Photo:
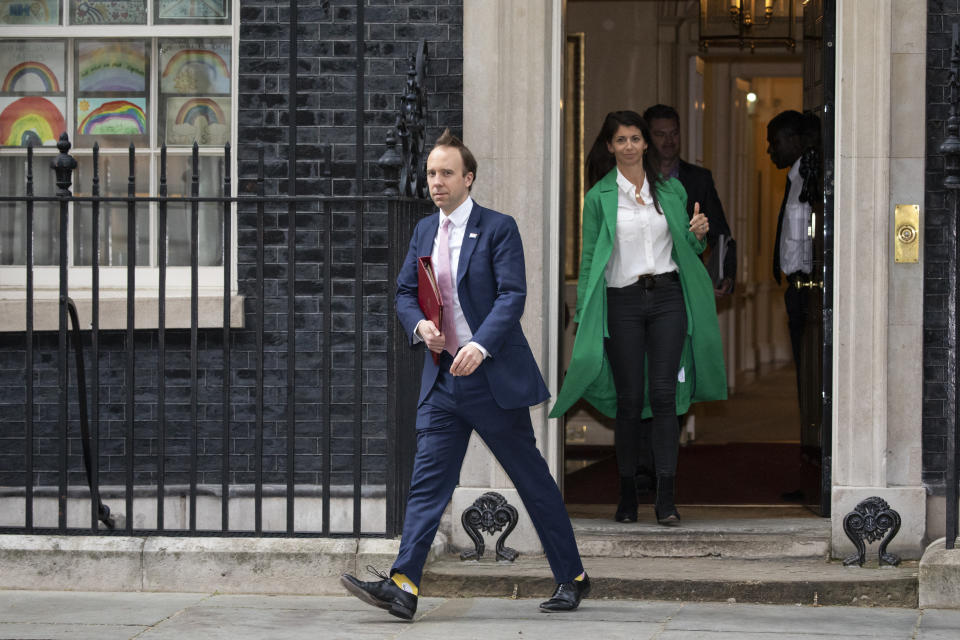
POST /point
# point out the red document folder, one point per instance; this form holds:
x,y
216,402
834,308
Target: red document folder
x,y
428,295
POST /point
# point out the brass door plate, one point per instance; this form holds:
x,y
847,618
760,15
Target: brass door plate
x,y
906,233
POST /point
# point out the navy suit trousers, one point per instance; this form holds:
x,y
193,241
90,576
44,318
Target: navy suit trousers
x,y
454,407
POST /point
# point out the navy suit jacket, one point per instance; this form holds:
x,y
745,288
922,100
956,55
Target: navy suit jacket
x,y
492,287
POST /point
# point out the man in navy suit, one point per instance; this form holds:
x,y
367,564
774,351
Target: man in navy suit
x,y
486,379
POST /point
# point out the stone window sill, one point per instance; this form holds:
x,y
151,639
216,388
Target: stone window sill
x,y
113,313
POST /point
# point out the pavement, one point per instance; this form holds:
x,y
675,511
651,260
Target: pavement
x,y
56,615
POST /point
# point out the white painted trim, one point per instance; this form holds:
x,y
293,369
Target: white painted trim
x,y
98,32
46,279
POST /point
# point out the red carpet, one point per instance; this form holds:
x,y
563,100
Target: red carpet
x,y
738,473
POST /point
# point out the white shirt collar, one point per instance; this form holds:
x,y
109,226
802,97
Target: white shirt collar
x,y
628,188
461,214
794,173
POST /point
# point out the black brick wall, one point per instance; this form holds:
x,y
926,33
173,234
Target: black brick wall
x,y
939,350
326,115
327,88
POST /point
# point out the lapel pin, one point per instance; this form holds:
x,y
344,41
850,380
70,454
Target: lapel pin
x,y
473,235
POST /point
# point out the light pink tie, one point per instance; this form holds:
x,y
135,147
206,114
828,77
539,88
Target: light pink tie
x,y
445,282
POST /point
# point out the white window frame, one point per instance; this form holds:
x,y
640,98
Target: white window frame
x,y
113,279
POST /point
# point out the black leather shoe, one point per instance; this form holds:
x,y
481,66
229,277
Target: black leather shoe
x,y
383,593
567,596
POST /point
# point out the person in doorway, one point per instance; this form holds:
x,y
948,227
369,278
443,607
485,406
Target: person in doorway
x,y
701,191
486,379
645,308
787,135
698,182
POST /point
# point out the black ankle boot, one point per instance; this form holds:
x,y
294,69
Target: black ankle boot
x,y
665,508
627,509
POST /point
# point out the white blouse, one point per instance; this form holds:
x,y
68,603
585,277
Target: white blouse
x,y
642,244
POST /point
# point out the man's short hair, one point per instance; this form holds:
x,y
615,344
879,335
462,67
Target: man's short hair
x,y
661,111
790,122
447,139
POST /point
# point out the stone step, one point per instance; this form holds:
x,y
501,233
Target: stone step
x,y
747,538
802,581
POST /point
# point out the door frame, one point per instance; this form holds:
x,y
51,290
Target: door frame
x,y
828,131
554,228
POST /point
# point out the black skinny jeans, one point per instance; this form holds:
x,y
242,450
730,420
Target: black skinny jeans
x,y
652,323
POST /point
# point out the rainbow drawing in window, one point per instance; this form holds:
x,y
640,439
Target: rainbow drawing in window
x,y
111,66
111,117
31,76
30,120
192,70
204,120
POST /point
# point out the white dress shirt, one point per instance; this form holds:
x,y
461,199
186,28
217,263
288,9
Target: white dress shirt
x,y
642,244
796,245
455,233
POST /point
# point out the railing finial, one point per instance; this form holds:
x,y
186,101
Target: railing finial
x,y
63,166
410,129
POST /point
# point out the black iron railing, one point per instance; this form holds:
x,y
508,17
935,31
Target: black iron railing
x,y
341,258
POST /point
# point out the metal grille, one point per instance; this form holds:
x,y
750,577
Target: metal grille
x,y
348,269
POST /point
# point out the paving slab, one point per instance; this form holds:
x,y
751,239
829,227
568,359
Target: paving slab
x,y
20,631
161,616
296,619
83,608
939,624
836,622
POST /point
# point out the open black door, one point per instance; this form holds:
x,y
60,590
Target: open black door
x,y
815,373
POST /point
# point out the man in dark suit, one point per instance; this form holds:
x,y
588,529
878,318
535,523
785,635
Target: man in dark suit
x,y
486,379
664,124
788,133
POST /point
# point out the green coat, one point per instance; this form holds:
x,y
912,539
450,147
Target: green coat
x,y
702,375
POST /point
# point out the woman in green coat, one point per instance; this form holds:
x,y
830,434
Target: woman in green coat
x,y
648,342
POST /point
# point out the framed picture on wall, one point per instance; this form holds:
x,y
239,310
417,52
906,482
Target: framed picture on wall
x,y
573,157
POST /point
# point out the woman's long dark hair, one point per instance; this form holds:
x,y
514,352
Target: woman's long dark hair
x,y
600,161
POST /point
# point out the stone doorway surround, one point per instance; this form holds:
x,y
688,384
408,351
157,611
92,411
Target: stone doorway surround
x,y
513,59
878,323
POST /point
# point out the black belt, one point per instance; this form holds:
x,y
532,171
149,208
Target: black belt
x,y
651,281
797,277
